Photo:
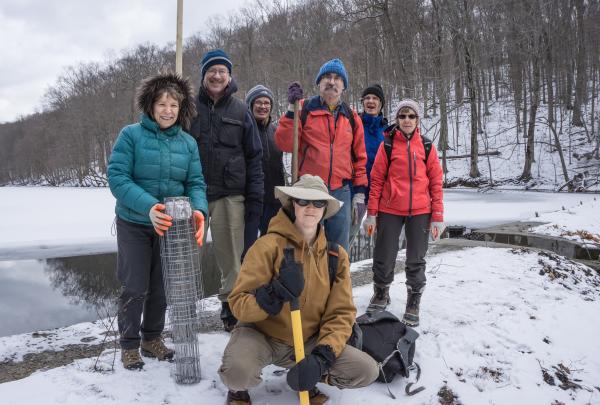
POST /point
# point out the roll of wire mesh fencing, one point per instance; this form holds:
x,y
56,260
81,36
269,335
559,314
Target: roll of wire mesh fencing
x,y
183,288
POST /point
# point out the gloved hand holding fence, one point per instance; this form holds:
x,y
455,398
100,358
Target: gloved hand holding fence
x,y
370,224
308,371
286,287
199,219
295,92
437,229
358,207
160,221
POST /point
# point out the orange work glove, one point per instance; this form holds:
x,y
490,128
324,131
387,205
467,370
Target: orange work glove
x,y
160,221
199,218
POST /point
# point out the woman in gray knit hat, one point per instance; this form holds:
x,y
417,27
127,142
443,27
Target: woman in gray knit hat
x,y
260,101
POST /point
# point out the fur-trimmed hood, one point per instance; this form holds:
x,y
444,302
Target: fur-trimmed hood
x,y
152,87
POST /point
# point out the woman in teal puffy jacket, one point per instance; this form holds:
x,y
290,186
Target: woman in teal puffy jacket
x,y
151,160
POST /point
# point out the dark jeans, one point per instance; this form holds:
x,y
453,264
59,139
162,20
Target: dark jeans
x,y
386,248
140,272
337,228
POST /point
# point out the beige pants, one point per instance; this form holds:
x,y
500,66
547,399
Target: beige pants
x,y
249,351
226,221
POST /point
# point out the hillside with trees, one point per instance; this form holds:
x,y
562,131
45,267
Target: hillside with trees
x,y
536,60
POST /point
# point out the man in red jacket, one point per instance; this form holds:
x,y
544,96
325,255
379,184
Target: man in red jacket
x,y
406,190
331,145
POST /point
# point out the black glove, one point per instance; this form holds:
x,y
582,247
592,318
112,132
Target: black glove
x,y
290,283
308,372
295,92
288,286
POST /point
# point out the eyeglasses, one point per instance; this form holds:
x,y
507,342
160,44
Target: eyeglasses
x,y
214,72
263,103
405,116
315,203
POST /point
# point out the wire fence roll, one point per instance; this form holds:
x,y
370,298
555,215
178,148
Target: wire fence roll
x,y
183,288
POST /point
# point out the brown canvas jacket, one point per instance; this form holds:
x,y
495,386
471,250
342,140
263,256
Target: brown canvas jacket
x,y
327,313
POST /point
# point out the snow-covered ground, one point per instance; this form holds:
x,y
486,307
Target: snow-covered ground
x,y
499,326
44,222
580,222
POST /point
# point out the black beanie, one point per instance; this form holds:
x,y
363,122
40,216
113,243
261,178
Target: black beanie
x,y
376,90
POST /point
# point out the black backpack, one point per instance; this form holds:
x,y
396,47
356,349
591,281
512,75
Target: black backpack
x,y
388,144
382,336
304,116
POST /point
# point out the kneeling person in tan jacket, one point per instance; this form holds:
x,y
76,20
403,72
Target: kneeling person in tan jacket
x,y
269,279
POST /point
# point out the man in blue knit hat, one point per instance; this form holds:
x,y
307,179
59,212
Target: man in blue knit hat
x,y
331,145
231,155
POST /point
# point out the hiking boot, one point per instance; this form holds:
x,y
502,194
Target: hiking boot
x,y
131,359
316,397
156,348
238,398
380,299
227,317
413,299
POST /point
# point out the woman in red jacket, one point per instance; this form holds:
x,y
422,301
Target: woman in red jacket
x,y
406,190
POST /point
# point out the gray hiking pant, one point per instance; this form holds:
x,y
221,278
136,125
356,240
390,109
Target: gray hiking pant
x,y
249,351
139,271
226,220
417,230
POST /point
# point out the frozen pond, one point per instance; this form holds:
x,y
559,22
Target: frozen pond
x,y
59,269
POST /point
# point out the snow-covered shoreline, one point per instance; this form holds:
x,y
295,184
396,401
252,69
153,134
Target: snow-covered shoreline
x,y
499,325
495,322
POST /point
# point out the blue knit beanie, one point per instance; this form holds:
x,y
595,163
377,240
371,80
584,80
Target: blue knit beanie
x,y
333,66
258,91
214,57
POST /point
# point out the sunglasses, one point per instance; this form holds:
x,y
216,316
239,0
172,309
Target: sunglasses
x,y
315,203
405,116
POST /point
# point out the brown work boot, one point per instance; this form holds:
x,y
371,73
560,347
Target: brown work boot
x,y
413,301
316,397
380,299
156,348
238,398
131,359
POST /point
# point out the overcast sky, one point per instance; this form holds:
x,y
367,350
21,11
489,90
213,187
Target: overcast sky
x,y
41,37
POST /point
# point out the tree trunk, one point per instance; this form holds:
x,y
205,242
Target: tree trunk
x,y
580,60
535,99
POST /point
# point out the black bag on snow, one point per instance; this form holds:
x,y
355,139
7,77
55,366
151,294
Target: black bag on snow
x,y
382,336
390,342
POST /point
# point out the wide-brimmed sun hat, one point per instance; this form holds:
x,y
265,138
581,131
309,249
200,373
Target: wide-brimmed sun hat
x,y
310,188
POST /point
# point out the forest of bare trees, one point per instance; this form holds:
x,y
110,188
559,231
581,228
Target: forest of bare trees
x,y
445,53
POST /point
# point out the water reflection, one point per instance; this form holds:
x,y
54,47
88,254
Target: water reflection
x,y
85,280
51,293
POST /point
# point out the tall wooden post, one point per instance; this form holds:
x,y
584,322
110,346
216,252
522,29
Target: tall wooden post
x,y
179,39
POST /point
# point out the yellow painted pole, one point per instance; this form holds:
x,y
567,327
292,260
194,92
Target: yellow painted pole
x,y
179,39
298,341
295,145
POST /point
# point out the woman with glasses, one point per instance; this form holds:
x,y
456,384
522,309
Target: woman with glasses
x,y
291,262
260,100
406,191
